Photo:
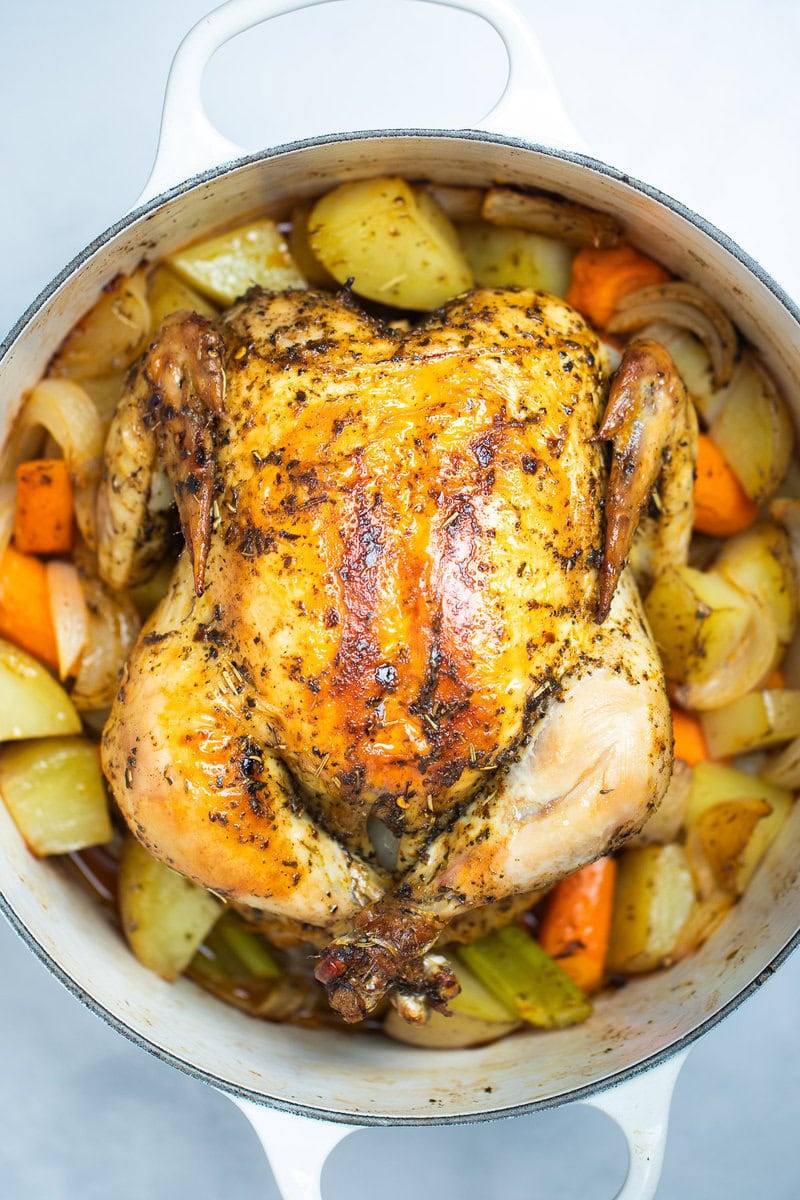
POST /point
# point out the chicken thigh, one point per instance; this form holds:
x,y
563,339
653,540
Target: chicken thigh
x,y
401,671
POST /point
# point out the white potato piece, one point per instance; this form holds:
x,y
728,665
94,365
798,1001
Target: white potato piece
x,y
222,268
753,429
717,845
713,783
654,898
754,721
759,561
393,241
300,249
501,257
109,337
32,704
167,293
716,641
165,917
55,792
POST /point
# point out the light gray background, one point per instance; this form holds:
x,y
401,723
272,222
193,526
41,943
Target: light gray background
x,y
702,100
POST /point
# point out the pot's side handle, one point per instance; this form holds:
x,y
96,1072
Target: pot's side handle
x,y
530,106
641,1109
297,1147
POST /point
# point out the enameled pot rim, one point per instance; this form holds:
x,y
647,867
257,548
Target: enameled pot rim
x,y
587,163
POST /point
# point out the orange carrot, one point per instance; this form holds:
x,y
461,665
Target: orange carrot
x,y
600,278
721,506
690,741
43,513
576,924
25,616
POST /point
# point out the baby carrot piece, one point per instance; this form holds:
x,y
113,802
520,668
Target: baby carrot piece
x,y
600,278
25,616
577,922
43,513
721,506
690,741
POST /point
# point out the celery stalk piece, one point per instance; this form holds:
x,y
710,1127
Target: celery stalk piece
x,y
251,951
517,971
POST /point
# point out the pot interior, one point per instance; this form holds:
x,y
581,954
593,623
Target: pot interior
x,y
366,1077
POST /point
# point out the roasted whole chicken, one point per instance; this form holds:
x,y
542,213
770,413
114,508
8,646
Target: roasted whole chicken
x,y
402,672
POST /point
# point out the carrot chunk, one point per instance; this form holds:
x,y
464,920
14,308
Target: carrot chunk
x,y
600,278
577,922
44,509
721,507
690,741
25,616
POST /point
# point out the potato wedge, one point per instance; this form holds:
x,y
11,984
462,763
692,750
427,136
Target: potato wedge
x,y
760,562
654,898
222,268
109,337
165,917
512,257
753,428
392,240
54,789
300,249
754,721
717,842
167,293
32,704
716,641
713,783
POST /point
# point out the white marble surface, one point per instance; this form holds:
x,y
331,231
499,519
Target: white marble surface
x,y
701,100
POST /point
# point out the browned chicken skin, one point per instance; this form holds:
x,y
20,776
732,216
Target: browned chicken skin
x,y
396,644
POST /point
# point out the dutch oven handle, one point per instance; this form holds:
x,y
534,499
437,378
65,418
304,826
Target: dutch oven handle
x,y
530,106
298,1147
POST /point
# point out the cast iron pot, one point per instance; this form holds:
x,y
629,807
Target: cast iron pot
x,y
305,1089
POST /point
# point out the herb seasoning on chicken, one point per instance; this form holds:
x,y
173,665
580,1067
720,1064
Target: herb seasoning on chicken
x,y
403,621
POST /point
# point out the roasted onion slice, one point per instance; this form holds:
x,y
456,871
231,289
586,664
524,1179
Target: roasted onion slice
x,y
687,307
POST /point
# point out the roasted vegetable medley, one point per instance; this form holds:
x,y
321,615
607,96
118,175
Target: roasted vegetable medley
x,y
720,597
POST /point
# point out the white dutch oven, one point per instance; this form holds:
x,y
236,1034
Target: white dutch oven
x,y
305,1089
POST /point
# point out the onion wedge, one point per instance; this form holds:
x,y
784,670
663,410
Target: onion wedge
x,y
549,215
70,615
687,307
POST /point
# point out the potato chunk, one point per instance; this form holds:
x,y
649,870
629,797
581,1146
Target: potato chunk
x,y
713,783
165,917
222,268
32,704
392,240
654,897
760,562
754,721
109,337
715,640
502,257
54,790
753,429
